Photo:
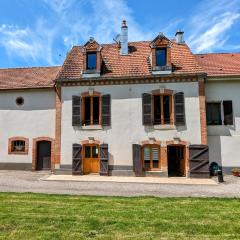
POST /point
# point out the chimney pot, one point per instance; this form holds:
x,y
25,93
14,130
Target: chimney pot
x,y
179,36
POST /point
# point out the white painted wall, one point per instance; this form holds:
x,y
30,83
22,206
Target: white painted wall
x,y
224,141
36,118
127,127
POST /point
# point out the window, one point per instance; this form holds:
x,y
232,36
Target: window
x,y
219,113
162,109
214,114
91,151
91,61
19,101
161,57
151,157
17,145
91,106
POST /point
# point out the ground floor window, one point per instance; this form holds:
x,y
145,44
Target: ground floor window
x,y
18,145
151,157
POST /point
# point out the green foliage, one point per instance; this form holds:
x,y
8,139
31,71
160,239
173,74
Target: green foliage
x,y
39,216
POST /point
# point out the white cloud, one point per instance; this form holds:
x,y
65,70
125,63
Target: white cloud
x,y
27,44
59,5
211,23
102,20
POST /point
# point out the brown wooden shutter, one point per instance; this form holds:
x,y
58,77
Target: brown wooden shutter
x,y
228,112
179,109
77,159
104,158
147,109
199,161
106,110
137,160
76,111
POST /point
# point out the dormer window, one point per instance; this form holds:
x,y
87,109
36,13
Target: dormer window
x,y
91,61
161,57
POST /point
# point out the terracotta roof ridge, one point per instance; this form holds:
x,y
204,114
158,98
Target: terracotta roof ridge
x,y
17,68
225,53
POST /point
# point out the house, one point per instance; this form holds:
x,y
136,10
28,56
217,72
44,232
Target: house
x,y
147,108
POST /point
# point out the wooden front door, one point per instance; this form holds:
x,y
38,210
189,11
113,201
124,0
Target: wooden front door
x,y
91,161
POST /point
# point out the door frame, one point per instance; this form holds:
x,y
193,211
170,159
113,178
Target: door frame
x,y
34,151
83,155
185,150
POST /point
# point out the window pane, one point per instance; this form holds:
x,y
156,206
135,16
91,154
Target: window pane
x,y
214,114
161,57
87,151
18,146
155,157
147,157
95,151
91,61
87,110
96,110
166,109
157,110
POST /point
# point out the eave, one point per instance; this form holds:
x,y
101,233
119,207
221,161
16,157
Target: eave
x,y
144,79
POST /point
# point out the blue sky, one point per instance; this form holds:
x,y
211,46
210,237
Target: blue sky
x,y
41,32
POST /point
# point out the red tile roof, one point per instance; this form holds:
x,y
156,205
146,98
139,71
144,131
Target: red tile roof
x,y
220,64
136,63
36,77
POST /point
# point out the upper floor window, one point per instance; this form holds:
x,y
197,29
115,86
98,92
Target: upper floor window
x,y
219,113
91,109
91,106
214,114
91,61
162,109
161,57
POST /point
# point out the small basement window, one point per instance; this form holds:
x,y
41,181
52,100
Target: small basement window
x,y
91,61
161,57
91,106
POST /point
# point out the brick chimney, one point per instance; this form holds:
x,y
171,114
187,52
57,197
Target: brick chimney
x,y
124,38
179,36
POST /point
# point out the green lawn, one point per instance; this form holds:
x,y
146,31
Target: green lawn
x,y
39,216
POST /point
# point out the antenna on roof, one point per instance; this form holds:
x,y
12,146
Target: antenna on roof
x,y
117,39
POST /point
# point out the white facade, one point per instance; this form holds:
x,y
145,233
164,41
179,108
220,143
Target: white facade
x,y
224,141
35,118
126,120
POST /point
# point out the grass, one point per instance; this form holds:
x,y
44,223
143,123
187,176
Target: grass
x,y
39,216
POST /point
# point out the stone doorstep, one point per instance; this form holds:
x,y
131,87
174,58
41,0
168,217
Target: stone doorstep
x,y
162,180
